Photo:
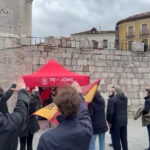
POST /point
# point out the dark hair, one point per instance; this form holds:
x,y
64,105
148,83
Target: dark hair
x,y
1,92
68,101
148,91
54,91
97,92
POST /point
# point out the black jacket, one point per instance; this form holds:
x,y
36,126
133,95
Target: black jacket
x,y
97,112
33,125
70,134
117,111
11,125
4,98
147,105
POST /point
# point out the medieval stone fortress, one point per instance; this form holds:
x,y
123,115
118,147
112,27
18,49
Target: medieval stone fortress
x,y
117,61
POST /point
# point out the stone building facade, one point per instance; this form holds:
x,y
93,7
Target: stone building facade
x,y
128,69
16,22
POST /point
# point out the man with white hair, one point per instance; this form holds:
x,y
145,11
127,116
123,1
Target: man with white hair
x,y
117,118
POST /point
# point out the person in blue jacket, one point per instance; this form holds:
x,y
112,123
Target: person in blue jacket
x,y
74,131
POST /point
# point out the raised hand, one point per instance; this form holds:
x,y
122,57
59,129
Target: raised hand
x,y
36,88
20,84
76,86
28,88
145,87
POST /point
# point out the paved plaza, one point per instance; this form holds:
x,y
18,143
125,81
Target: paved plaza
x,y
137,136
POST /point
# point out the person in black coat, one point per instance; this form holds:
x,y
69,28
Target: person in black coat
x,y
47,101
146,110
4,97
74,131
32,126
11,125
110,96
97,112
117,118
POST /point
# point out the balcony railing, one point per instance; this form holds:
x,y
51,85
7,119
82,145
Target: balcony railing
x,y
130,34
144,32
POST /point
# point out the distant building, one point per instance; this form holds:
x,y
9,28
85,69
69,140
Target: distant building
x,y
133,29
64,41
103,39
61,42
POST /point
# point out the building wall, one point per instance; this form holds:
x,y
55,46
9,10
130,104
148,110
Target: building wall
x,y
125,68
123,40
15,16
98,37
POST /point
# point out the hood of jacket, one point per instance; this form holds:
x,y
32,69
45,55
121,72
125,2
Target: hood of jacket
x,y
122,97
147,97
98,99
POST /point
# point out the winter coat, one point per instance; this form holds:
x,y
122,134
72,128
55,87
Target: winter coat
x,y
117,111
147,105
4,98
145,117
72,133
97,112
11,125
33,125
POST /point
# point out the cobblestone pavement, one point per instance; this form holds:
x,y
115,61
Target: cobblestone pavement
x,y
137,136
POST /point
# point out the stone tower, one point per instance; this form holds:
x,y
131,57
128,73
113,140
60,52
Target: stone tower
x,y
16,21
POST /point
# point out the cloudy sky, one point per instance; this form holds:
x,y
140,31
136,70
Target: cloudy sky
x,y
73,16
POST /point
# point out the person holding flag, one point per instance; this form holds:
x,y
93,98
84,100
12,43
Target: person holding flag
x,y
75,129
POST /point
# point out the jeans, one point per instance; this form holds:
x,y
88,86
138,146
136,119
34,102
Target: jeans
x,y
28,140
148,129
101,141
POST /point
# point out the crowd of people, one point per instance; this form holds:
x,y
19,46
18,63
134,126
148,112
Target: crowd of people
x,y
78,126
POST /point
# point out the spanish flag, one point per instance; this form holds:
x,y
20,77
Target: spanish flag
x,y
50,112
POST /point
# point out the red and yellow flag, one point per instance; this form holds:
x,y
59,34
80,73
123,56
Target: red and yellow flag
x,y
50,112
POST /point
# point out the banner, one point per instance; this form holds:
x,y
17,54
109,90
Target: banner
x,y
50,112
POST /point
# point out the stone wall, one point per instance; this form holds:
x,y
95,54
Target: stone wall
x,y
14,62
127,69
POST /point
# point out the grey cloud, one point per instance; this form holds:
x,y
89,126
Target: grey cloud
x,y
80,15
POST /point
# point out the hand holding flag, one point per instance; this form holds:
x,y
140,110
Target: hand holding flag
x,y
50,112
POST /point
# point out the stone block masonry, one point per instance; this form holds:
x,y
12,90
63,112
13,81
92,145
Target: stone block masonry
x,y
128,69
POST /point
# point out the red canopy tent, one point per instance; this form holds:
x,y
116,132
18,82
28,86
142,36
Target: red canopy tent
x,y
53,74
